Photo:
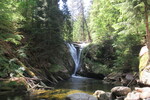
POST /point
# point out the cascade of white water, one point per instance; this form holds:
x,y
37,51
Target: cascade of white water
x,y
75,55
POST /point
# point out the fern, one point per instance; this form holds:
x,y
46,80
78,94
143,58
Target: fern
x,y
11,38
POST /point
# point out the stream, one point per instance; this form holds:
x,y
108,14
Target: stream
x,y
87,85
74,84
84,84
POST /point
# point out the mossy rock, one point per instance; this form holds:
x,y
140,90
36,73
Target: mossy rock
x,y
144,57
56,94
144,67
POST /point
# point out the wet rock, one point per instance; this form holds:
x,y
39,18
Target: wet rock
x,y
129,79
101,95
133,96
139,93
113,78
144,89
144,92
145,95
120,79
119,91
80,96
120,98
147,99
144,73
129,76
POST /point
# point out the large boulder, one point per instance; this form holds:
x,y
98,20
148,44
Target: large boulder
x,y
119,91
101,95
139,94
144,92
80,96
133,96
144,67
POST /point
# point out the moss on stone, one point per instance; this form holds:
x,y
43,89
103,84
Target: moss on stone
x,y
143,62
57,94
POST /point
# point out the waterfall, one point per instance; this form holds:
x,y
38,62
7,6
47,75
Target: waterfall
x,y
75,53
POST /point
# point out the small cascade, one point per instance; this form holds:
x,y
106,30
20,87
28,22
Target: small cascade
x,y
75,53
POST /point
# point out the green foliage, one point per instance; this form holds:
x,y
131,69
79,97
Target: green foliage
x,y
102,16
47,30
22,51
8,67
55,68
10,17
127,48
15,69
67,30
4,66
13,38
97,67
130,29
9,84
33,32
77,30
98,58
117,25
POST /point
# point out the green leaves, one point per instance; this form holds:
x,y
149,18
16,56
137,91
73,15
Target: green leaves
x,y
55,68
125,52
10,18
14,39
8,37
121,21
102,16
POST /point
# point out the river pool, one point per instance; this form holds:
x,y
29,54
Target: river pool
x,y
63,88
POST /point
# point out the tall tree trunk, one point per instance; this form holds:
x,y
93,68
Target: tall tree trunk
x,y
147,27
84,25
82,19
89,35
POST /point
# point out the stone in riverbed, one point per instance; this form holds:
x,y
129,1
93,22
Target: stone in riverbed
x,y
119,91
101,95
144,92
133,96
139,94
80,96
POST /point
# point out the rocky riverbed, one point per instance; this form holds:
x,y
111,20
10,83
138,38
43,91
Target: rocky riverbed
x,y
116,93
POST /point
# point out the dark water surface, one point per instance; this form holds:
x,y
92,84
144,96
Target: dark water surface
x,y
83,83
75,83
